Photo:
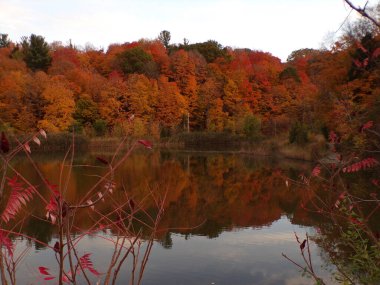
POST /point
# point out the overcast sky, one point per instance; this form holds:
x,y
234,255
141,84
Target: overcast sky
x,y
275,26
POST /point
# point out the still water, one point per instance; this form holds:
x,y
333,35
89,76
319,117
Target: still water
x,y
227,220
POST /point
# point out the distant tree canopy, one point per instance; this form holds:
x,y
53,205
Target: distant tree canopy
x,y
301,53
164,38
211,50
36,52
289,72
4,41
135,60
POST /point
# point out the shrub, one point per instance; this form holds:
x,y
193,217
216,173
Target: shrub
x,y
100,127
298,134
252,127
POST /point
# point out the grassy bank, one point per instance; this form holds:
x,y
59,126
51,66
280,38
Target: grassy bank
x,y
195,141
277,146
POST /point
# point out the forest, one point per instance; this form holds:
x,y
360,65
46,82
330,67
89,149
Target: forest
x,y
155,88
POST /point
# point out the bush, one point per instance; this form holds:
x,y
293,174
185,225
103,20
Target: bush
x,y
100,127
252,127
299,134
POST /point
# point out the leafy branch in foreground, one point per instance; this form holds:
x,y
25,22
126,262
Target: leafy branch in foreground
x,y
125,216
350,237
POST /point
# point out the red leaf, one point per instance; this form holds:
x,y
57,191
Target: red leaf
x,y
146,143
56,246
102,160
356,221
43,133
302,246
87,264
316,171
4,143
49,278
360,46
132,204
37,141
333,138
19,196
365,163
43,270
366,126
357,63
27,147
376,53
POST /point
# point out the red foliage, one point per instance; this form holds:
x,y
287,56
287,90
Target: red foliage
x,y
146,143
52,208
44,271
19,196
316,171
333,137
366,126
376,53
102,160
87,264
364,164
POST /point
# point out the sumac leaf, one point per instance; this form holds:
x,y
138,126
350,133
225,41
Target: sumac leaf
x,y
43,133
316,171
43,270
4,143
366,126
146,143
132,204
56,246
37,141
27,147
87,264
102,160
363,164
303,244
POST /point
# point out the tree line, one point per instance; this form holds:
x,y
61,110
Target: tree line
x,y
152,87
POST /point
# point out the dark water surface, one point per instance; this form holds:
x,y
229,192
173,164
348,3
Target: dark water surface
x,y
228,217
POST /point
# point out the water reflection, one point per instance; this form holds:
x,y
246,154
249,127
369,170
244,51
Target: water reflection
x,y
207,194
227,217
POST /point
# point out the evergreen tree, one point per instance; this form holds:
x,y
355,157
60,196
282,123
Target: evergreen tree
x,y
4,41
36,52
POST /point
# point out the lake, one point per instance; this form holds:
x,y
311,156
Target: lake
x,y
227,218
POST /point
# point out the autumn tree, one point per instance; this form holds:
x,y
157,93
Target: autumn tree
x,y
15,108
86,111
217,118
164,38
4,41
135,60
36,52
59,106
64,59
211,50
171,106
140,97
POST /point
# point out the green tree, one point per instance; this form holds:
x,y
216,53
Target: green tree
x,y
135,60
252,127
36,52
86,111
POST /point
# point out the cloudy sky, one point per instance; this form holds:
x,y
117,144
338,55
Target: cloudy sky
x,y
275,26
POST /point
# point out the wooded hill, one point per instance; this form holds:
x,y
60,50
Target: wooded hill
x,y
151,87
